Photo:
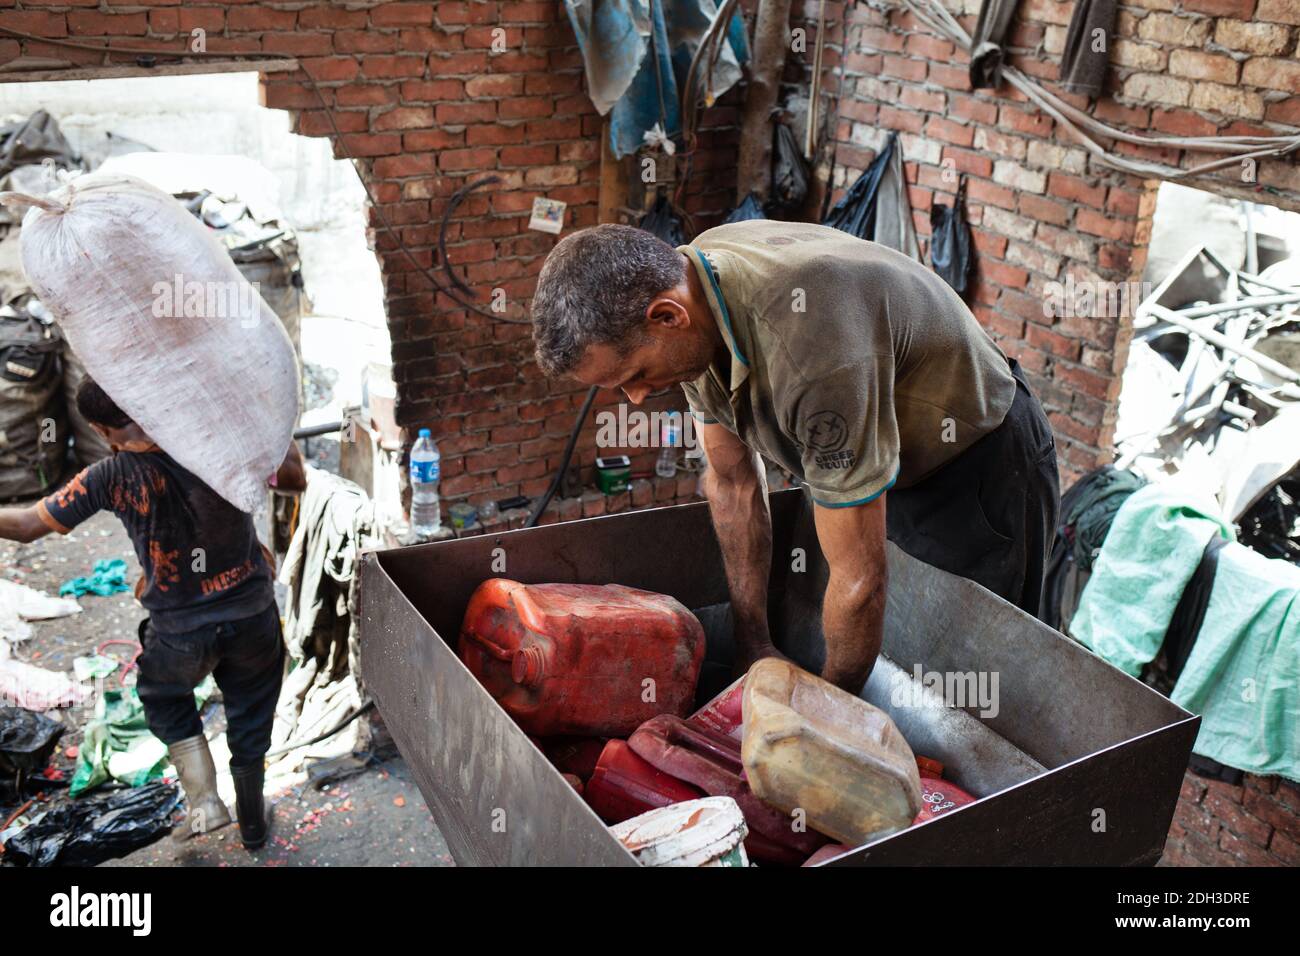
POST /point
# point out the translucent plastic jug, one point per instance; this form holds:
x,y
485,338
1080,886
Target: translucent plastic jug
x,y
809,745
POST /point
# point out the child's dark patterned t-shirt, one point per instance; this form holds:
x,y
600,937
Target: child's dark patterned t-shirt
x,y
201,557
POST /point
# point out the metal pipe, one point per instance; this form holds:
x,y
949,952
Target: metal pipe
x,y
1258,302
311,431
1219,340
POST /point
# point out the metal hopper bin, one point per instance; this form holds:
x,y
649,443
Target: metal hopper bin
x,y
1077,763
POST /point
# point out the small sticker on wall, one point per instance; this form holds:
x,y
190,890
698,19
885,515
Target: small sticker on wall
x,y
548,215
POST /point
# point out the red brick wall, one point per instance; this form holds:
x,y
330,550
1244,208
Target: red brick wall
x,y
424,103
1217,824
1040,206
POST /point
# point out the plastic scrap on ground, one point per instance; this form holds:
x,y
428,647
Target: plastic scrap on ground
x,y
118,744
93,667
35,688
107,577
20,604
88,832
26,740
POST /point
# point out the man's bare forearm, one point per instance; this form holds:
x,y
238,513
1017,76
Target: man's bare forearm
x,y
853,621
738,506
853,607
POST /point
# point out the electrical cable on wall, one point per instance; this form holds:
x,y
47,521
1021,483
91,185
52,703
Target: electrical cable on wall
x,y
934,15
558,478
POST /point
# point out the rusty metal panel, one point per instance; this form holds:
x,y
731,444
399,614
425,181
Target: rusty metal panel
x,y
1071,734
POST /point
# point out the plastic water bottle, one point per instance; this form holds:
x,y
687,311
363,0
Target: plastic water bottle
x,y
666,466
426,517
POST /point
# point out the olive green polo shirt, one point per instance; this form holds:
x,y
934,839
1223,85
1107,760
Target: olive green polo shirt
x,y
852,366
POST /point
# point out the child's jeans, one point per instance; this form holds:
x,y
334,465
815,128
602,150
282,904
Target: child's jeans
x,y
246,657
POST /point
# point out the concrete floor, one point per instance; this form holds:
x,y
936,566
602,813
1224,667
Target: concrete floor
x,y
376,818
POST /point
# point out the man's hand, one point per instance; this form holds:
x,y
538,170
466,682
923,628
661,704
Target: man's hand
x,y
737,493
22,524
853,610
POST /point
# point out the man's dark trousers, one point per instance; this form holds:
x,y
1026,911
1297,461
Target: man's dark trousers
x,y
245,657
989,514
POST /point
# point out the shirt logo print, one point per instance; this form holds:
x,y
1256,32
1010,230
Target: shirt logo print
x,y
826,433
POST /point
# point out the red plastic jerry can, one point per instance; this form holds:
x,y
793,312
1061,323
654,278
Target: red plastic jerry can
x,y
624,786
574,755
582,659
711,761
723,714
939,797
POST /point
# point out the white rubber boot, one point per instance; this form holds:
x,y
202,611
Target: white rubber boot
x,y
205,810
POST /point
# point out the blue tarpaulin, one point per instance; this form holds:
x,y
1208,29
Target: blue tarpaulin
x,y
637,53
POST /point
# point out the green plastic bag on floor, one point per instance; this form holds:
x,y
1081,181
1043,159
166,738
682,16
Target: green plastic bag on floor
x,y
118,744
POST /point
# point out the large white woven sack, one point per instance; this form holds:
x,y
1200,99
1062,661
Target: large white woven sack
x,y
164,322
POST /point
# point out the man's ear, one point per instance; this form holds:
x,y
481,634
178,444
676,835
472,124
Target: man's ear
x,y
667,312
100,430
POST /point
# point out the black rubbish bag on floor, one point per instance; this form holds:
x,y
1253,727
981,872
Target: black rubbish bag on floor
x,y
26,740
89,831
662,221
950,241
789,173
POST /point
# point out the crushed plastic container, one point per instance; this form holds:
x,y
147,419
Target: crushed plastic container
x,y
705,832
711,761
809,745
723,714
581,659
624,785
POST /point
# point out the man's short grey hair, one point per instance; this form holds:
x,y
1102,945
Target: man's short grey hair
x,y
594,289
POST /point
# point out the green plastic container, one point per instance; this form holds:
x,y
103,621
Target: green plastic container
x,y
613,474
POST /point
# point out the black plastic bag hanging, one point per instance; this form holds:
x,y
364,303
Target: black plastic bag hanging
x,y
26,740
789,173
751,208
856,212
950,241
662,221
89,831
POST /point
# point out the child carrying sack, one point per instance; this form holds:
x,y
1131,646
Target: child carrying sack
x,y
164,322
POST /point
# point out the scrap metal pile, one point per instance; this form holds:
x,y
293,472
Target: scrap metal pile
x,y
1212,390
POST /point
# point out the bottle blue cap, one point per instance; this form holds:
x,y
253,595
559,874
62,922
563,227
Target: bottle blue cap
x,y
425,433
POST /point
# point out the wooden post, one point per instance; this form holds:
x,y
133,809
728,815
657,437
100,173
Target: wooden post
x,y
613,179
771,43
